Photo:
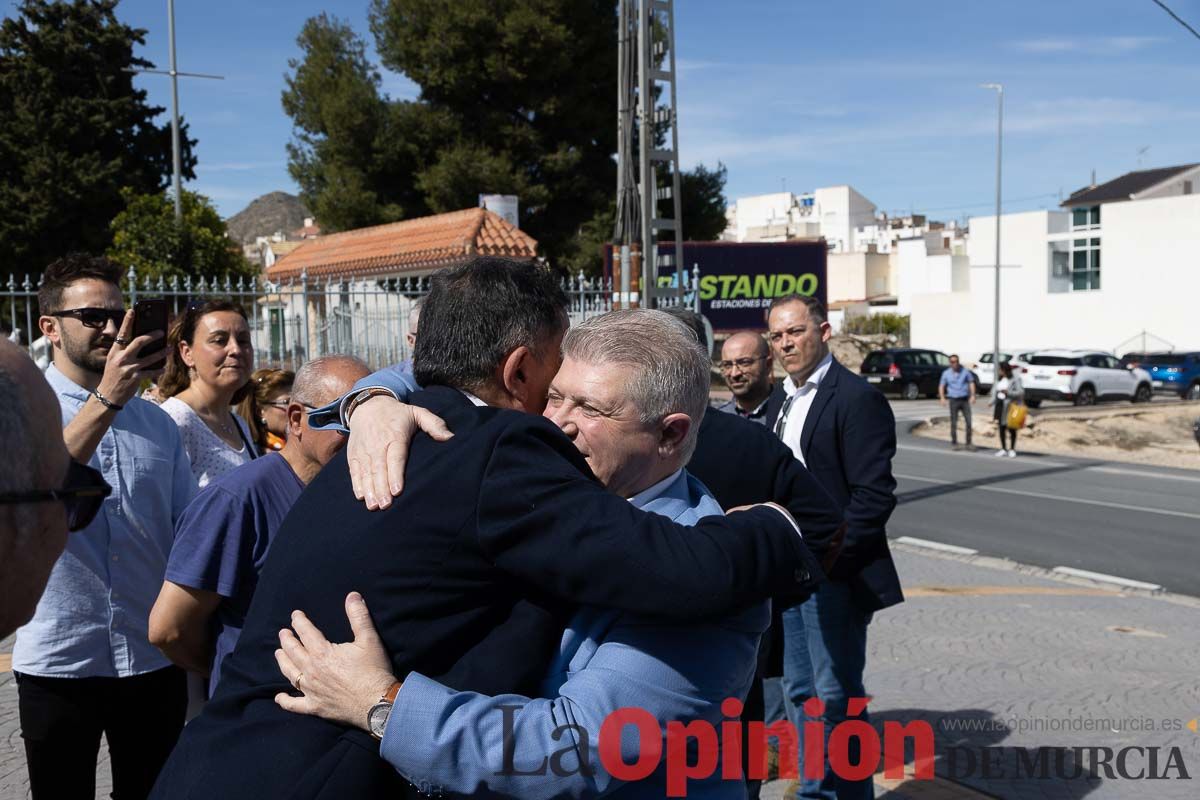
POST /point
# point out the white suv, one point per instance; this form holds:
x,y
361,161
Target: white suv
x,y
1082,377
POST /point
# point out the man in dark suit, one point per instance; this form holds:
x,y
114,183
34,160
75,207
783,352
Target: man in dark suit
x,y
843,430
473,572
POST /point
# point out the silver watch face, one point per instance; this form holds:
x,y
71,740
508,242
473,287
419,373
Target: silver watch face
x,y
377,718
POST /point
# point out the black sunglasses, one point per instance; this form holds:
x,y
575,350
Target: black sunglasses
x,y
82,494
95,318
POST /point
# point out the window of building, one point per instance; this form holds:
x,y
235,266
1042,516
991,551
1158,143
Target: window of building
x,y
1085,264
1085,217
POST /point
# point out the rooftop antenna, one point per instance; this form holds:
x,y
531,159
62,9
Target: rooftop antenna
x,y
176,166
1142,152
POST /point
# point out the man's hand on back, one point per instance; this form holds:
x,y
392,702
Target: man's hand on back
x,y
381,433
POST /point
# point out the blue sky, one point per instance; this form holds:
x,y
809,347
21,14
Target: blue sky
x,y
880,95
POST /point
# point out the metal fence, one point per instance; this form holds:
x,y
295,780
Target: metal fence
x,y
294,320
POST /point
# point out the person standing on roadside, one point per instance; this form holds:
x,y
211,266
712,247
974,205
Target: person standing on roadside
x,y
843,431
957,387
84,664
746,367
1009,390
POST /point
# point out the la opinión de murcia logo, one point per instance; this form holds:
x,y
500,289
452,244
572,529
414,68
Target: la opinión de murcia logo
x,y
694,750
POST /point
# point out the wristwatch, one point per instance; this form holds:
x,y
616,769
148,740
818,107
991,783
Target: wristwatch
x,y
377,716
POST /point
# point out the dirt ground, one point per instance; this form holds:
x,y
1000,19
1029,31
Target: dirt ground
x,y
1139,434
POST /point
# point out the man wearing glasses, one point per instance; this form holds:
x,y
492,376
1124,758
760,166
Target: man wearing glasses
x,y
222,539
37,505
84,664
746,366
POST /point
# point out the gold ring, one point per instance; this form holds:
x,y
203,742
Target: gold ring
x,y
296,683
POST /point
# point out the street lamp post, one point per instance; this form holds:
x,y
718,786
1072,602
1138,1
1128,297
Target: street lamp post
x,y
996,310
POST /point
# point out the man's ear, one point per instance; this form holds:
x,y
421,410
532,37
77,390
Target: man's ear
x,y
295,416
514,377
49,327
826,331
672,432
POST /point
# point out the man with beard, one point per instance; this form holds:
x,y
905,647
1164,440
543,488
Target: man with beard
x,y
84,663
746,367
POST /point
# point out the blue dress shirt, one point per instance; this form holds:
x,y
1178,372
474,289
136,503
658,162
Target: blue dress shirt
x,y
92,620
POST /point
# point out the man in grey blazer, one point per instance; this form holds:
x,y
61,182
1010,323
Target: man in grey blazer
x,y
631,392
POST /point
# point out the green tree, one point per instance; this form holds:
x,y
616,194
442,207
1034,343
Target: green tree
x,y
73,130
146,237
516,97
702,201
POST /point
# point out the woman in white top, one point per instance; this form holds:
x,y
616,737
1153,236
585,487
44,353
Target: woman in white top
x,y
209,359
1008,390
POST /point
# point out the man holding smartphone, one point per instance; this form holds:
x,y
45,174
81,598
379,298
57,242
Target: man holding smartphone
x,y
84,664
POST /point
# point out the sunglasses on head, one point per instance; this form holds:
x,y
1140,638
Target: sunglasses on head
x,y
82,493
96,318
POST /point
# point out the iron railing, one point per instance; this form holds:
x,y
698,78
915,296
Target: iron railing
x,y
297,319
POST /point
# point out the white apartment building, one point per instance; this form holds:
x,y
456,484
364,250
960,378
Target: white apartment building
x,y
834,212
1120,259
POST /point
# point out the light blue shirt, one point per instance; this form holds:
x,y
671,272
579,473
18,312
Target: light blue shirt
x,y
958,384
447,741
92,619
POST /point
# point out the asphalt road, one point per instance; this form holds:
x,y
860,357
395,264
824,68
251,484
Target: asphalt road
x,y
1131,521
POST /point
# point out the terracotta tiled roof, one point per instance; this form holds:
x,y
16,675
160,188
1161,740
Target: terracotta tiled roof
x,y
283,248
411,246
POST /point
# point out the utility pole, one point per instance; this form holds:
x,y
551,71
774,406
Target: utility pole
x,y
176,158
646,70
999,147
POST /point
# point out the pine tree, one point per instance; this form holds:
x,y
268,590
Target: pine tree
x,y
73,130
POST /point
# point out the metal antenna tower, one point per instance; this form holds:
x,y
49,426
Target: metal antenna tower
x,y
646,74
177,168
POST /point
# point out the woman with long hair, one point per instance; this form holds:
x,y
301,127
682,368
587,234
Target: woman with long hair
x,y
1009,390
209,358
265,407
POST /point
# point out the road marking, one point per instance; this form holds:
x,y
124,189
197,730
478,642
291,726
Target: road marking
x,y
1042,462
1143,474
991,591
945,548
1044,496
1103,578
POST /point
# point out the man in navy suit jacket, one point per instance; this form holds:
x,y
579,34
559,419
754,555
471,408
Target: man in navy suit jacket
x,y
843,430
475,569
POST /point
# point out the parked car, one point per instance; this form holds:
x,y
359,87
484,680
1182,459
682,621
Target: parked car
x,y
985,370
1132,359
909,372
1173,373
1082,377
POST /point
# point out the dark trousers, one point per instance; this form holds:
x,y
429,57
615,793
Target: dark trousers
x,y
62,720
1004,429
959,405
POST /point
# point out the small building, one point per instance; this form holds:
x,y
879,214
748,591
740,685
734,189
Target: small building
x,y
353,291
1117,269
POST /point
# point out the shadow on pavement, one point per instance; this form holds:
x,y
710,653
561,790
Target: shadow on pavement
x,y
949,488
970,751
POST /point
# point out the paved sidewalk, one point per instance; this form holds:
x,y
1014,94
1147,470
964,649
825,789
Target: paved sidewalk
x,y
995,655
991,655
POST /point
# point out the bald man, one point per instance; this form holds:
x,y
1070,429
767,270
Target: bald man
x,y
221,541
33,532
746,366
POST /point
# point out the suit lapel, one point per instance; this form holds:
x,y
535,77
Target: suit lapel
x,y
825,392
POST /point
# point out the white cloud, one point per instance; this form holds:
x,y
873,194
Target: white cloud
x,y
1088,45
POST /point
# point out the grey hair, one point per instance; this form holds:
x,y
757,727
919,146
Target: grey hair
x,y
671,369
312,383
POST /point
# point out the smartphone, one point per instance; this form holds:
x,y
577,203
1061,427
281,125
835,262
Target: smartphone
x,y
148,316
